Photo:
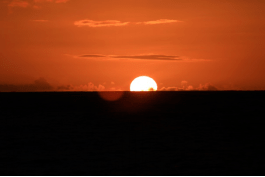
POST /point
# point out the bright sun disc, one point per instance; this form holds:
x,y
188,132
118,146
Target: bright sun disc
x,y
143,83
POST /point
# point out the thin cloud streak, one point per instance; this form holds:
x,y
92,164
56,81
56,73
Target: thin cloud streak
x,y
40,20
140,57
149,57
134,57
92,56
106,23
161,21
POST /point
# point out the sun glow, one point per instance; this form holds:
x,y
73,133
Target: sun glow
x,y
143,83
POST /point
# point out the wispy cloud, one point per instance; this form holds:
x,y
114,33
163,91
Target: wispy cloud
x,y
92,23
160,57
40,20
40,1
148,57
61,1
92,56
56,1
161,21
18,3
36,4
186,59
133,57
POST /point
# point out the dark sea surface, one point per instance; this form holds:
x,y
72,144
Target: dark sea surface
x,y
142,133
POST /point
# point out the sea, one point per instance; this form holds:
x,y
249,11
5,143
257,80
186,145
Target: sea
x,y
157,133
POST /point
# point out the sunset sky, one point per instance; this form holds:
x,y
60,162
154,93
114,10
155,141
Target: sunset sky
x,y
104,44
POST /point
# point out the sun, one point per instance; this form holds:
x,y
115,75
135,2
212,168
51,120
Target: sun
x,y
143,83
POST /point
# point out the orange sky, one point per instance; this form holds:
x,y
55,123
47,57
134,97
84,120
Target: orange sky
x,y
84,44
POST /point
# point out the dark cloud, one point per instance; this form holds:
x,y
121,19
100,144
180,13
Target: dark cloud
x,y
64,87
92,56
149,57
42,85
186,87
142,57
38,85
87,87
208,87
134,57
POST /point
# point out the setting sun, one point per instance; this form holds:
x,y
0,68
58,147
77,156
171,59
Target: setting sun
x,y
143,83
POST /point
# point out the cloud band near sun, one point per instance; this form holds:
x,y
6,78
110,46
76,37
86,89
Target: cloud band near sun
x,y
106,23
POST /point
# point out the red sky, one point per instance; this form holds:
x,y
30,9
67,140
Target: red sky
x,y
85,44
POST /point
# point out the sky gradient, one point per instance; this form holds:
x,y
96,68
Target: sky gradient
x,y
82,45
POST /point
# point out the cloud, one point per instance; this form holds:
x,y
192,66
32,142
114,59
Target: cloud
x,y
161,21
87,87
184,83
29,3
190,87
149,57
61,1
56,1
139,57
92,23
40,20
186,59
92,56
134,57
18,3
207,86
168,89
40,1
142,57
186,87
42,85
38,85
106,23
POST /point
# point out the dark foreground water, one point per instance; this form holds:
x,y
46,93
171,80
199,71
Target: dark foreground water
x,y
154,133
